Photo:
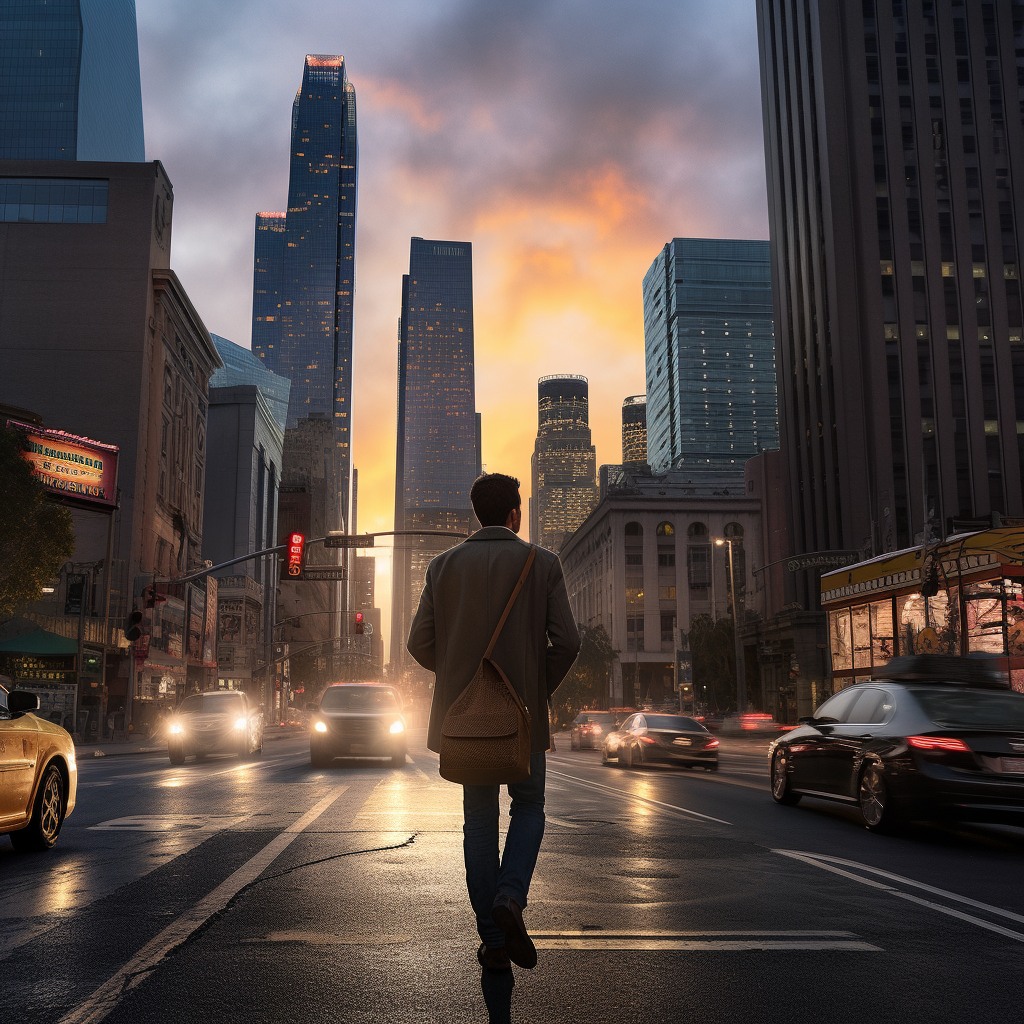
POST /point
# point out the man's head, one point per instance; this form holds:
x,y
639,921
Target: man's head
x,y
496,500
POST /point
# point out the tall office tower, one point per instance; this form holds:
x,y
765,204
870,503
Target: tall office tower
x,y
895,156
304,266
634,430
69,81
564,463
437,458
711,401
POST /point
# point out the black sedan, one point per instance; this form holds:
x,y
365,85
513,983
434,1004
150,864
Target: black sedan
x,y
661,739
930,737
357,720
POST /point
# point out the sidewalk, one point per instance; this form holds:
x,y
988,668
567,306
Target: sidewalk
x,y
157,745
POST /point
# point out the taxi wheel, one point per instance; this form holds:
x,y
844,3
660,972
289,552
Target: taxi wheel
x,y
47,814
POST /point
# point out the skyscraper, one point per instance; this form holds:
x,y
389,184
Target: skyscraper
x,y
304,267
711,401
69,81
895,156
437,458
634,430
564,461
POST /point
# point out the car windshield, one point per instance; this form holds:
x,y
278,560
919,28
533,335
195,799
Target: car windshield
x,y
358,698
973,709
212,704
678,723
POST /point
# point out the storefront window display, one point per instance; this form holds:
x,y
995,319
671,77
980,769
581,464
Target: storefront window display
x,y
985,619
839,637
861,630
881,632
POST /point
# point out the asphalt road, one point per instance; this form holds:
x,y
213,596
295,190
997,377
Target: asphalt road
x,y
266,890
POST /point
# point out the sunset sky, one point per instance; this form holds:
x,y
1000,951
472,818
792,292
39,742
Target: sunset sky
x,y
567,140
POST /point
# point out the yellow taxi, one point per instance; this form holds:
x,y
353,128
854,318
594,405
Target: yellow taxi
x,y
38,773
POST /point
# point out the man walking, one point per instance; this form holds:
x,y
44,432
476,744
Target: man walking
x,y
466,590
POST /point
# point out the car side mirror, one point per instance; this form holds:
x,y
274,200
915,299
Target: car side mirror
x,y
807,720
311,705
20,701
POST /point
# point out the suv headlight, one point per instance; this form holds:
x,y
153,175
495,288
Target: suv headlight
x,y
397,727
175,728
241,723
320,727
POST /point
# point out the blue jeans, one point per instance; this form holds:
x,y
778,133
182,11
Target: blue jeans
x,y
486,877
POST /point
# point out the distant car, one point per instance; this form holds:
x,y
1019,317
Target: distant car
x,y
38,773
929,737
750,723
588,729
357,720
661,739
215,722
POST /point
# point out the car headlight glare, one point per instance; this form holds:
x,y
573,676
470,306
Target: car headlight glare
x,y
176,728
397,727
241,723
320,727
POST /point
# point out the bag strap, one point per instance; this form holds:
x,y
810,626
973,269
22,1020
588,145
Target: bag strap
x,y
511,600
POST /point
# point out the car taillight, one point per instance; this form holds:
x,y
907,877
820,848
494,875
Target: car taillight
x,y
647,739
938,743
710,744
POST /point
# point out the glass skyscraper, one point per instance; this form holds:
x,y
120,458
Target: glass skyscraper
x,y
242,367
438,454
564,463
304,267
710,349
634,430
69,81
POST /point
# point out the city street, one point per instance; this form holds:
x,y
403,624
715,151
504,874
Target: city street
x,y
266,890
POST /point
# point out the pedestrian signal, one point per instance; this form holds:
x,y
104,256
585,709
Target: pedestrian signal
x,y
359,623
295,555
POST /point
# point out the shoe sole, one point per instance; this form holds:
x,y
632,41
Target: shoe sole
x,y
518,944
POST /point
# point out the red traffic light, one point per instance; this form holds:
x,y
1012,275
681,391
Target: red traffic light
x,y
296,553
359,622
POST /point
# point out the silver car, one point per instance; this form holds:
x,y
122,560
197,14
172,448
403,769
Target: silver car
x,y
217,722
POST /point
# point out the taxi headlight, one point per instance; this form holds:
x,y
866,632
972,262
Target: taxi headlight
x,y
397,727
241,723
320,727
175,728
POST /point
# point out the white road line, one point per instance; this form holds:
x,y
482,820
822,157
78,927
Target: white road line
x,y
721,776
642,799
706,945
749,933
106,997
816,860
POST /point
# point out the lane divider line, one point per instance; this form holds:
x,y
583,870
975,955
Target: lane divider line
x,y
814,861
642,799
104,999
708,945
716,777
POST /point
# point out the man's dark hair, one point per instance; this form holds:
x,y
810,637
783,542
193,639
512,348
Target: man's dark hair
x,y
494,496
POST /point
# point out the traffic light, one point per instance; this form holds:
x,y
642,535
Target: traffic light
x,y
133,627
295,555
359,623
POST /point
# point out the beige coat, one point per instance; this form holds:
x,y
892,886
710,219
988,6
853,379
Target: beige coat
x,y
465,592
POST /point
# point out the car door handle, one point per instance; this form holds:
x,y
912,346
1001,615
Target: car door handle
x,y
866,736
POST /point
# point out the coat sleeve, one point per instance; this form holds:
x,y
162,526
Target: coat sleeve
x,y
563,636
421,636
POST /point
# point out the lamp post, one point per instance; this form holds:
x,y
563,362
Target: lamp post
x,y
741,682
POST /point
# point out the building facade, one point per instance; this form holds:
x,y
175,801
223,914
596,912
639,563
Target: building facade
x,y
564,462
69,81
242,367
304,268
710,356
895,159
120,319
645,562
438,455
634,430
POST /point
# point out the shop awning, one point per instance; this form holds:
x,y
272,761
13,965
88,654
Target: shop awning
x,y
39,641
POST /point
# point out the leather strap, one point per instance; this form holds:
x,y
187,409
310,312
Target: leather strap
x,y
511,600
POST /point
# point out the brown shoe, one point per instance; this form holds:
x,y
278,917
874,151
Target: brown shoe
x,y
493,958
508,916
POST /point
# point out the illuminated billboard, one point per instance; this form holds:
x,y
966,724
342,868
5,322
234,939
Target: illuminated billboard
x,y
74,468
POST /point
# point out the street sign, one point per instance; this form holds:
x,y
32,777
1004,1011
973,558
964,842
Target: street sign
x,y
340,539
322,573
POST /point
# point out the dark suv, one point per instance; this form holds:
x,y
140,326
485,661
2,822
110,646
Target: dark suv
x,y
357,720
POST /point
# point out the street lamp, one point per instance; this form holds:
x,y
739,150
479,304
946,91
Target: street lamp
x,y
741,682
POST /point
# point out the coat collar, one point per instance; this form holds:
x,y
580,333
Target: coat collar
x,y
494,533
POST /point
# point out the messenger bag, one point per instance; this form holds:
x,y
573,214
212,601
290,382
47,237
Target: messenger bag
x,y
485,736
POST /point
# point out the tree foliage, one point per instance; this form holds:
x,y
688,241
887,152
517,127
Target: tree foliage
x,y
586,685
714,663
36,534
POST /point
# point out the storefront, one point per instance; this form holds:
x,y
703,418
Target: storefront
x,y
44,663
878,609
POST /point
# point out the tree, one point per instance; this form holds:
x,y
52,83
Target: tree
x,y
714,662
36,534
586,685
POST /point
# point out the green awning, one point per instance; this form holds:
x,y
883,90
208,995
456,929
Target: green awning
x,y
39,641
